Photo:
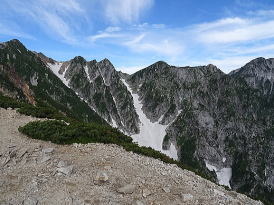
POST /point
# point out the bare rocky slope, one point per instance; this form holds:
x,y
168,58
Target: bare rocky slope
x,y
37,172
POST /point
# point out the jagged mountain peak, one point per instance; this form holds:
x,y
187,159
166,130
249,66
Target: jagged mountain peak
x,y
15,41
256,65
15,45
93,61
160,63
79,59
105,60
259,74
210,68
106,64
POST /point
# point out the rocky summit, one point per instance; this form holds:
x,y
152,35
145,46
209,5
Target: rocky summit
x,y
219,124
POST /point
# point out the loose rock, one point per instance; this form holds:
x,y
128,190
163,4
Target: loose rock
x,y
30,201
101,177
48,150
127,189
137,202
166,189
187,197
65,170
61,164
146,192
45,159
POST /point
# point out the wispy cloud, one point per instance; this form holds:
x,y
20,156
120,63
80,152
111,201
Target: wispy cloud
x,y
52,16
156,44
11,29
235,30
142,38
117,11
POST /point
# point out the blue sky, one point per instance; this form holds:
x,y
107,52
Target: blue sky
x,y
136,33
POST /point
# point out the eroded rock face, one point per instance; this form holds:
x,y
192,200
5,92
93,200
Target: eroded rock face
x,y
100,85
218,122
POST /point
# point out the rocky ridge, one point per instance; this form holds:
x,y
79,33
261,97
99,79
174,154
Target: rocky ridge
x,y
219,124
36,172
100,86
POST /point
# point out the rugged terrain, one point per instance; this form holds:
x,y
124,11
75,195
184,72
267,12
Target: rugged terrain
x,y
220,124
37,172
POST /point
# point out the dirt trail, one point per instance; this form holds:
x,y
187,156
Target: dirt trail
x,y
36,172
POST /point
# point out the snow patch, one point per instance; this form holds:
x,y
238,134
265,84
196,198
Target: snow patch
x,y
86,70
113,122
223,175
151,134
55,69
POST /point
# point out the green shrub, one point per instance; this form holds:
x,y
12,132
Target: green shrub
x,y
6,102
41,110
61,133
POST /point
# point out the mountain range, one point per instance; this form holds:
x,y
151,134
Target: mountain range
x,y
220,124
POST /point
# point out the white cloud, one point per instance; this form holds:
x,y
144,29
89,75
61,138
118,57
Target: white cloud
x,y
262,13
235,32
163,46
54,17
113,29
128,11
228,64
131,69
226,23
104,35
143,38
57,26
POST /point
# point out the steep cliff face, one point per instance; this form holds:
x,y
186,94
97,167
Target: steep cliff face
x,y
220,123
259,74
100,85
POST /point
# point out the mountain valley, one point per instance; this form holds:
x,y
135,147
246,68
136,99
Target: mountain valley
x,y
220,124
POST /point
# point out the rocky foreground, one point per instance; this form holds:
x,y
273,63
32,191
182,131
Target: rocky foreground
x,y
36,172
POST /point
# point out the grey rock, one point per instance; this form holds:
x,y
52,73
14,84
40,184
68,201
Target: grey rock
x,y
45,158
66,170
101,177
47,150
146,192
127,189
30,201
166,189
187,197
61,164
137,202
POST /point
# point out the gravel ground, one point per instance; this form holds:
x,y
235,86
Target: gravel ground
x,y
36,172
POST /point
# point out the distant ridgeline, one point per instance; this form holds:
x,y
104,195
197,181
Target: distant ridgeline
x,y
220,125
